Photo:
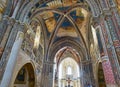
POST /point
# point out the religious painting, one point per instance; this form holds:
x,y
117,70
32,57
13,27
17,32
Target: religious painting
x,y
79,16
21,77
38,43
67,29
27,44
50,23
37,37
2,7
50,19
68,2
118,5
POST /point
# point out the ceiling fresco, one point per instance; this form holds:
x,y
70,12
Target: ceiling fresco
x,y
66,29
62,20
66,52
2,7
118,3
50,19
62,3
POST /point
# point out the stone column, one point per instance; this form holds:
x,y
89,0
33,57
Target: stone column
x,y
7,29
16,9
106,51
87,74
6,26
3,26
47,75
8,47
111,51
114,48
81,75
8,74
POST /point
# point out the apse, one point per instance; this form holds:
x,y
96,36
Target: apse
x,y
68,75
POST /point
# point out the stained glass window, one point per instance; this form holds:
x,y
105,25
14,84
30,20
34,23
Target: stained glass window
x,y
69,70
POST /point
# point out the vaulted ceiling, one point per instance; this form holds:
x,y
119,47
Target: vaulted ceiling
x,y
60,20
118,2
63,20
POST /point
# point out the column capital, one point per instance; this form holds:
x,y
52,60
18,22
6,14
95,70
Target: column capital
x,y
49,63
20,35
104,58
11,21
86,62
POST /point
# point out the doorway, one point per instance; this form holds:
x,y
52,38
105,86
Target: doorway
x,y
101,78
25,77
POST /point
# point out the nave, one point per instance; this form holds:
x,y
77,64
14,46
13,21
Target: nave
x,y
59,43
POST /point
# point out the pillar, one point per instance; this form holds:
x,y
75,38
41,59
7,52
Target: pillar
x,y
87,74
107,51
5,29
7,77
16,9
8,46
3,26
47,75
114,49
111,42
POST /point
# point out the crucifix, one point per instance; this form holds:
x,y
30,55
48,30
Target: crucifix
x,y
68,82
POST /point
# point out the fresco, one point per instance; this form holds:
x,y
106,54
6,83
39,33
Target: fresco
x,y
109,77
118,4
21,77
50,19
67,31
78,16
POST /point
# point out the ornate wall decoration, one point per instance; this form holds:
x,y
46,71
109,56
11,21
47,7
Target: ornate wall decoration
x,y
37,55
111,3
104,4
114,37
104,31
111,27
109,77
116,20
27,44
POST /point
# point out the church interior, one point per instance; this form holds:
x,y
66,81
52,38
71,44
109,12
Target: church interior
x,y
59,43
